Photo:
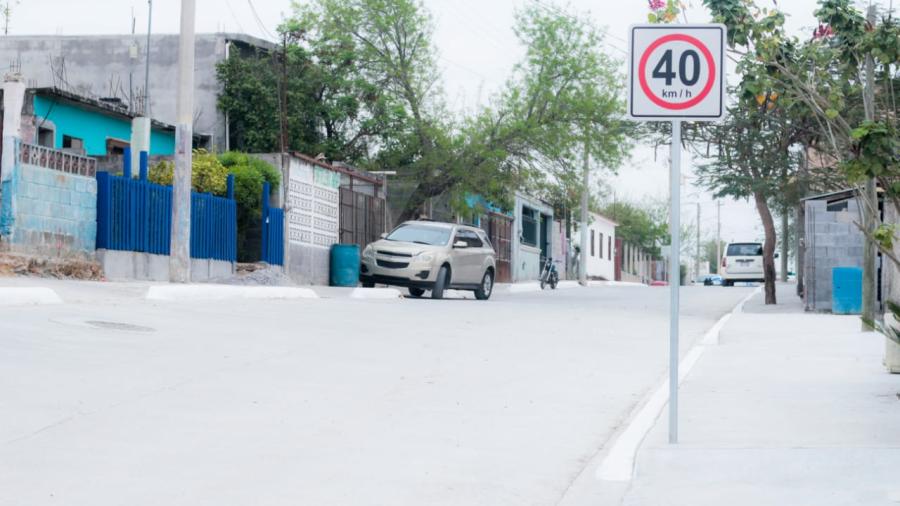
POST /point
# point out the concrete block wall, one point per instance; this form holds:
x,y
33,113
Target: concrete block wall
x,y
309,265
832,240
54,213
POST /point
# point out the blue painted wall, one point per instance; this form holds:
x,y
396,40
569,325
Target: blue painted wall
x,y
94,127
46,210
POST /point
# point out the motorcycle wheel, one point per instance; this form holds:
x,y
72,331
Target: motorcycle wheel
x,y
553,282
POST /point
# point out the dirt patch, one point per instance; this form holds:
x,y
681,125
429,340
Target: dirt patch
x,y
58,268
258,274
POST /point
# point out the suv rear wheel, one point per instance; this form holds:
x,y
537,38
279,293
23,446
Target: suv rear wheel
x,y
487,286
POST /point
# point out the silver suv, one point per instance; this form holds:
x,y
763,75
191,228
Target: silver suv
x,y
427,255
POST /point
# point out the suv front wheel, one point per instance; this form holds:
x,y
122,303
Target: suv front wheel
x,y
487,286
443,276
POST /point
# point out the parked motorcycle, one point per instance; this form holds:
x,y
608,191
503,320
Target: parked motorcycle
x,y
549,274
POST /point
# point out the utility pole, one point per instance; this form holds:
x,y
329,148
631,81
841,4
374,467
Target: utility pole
x,y
284,136
785,246
384,189
180,259
147,62
718,236
7,12
585,199
869,202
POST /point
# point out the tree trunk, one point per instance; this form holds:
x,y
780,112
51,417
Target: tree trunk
x,y
424,191
765,215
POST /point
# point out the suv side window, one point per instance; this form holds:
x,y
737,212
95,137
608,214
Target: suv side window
x,y
485,240
470,237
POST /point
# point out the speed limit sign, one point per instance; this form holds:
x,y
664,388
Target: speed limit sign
x,y
677,72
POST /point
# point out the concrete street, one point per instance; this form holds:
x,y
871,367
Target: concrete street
x,y
111,399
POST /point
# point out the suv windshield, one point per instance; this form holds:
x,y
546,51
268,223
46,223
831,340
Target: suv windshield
x,y
745,250
421,234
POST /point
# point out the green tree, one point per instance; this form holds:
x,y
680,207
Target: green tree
x,y
854,125
645,227
363,87
752,155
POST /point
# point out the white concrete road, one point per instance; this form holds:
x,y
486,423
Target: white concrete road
x,y
111,399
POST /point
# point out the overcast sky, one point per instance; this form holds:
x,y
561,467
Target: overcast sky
x,y
477,50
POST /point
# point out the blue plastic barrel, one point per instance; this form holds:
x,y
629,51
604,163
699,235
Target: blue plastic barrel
x,y
345,265
846,293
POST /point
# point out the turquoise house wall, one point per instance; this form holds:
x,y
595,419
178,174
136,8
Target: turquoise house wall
x,y
94,127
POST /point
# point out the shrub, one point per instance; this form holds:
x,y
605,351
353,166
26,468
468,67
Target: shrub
x,y
208,175
249,175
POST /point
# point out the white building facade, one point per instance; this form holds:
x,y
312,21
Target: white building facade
x,y
532,237
601,251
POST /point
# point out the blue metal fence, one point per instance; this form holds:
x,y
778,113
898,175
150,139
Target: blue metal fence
x,y
272,230
136,215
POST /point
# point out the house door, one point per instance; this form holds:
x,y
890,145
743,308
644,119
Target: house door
x,y
544,240
499,229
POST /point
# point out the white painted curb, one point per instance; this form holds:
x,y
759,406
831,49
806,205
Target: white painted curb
x,y
28,296
617,283
376,293
618,464
226,292
524,287
565,285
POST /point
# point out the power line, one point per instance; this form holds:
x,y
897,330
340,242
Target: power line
x,y
475,72
556,10
234,16
259,22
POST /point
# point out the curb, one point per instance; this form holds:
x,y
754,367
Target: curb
x,y
28,296
617,283
618,464
226,292
523,287
376,293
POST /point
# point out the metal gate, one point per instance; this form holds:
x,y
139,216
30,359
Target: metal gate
x,y
499,229
362,218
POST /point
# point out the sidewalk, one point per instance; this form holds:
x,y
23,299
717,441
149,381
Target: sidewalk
x,y
789,409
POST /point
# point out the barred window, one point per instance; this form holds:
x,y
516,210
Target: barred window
x,y
529,226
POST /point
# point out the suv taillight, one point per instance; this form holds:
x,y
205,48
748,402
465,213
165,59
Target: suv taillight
x,y
724,261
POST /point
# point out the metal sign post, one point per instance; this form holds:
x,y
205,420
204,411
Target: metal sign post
x,y
674,277
676,73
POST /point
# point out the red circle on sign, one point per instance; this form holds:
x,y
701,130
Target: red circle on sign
x,y
677,37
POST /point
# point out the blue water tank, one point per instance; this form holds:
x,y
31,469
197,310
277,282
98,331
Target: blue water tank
x,y
846,293
344,265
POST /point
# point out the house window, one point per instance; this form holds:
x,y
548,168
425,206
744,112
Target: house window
x,y
609,248
116,146
529,226
73,143
601,246
592,243
46,137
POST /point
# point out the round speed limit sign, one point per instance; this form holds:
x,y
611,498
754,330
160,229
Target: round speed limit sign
x,y
676,72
